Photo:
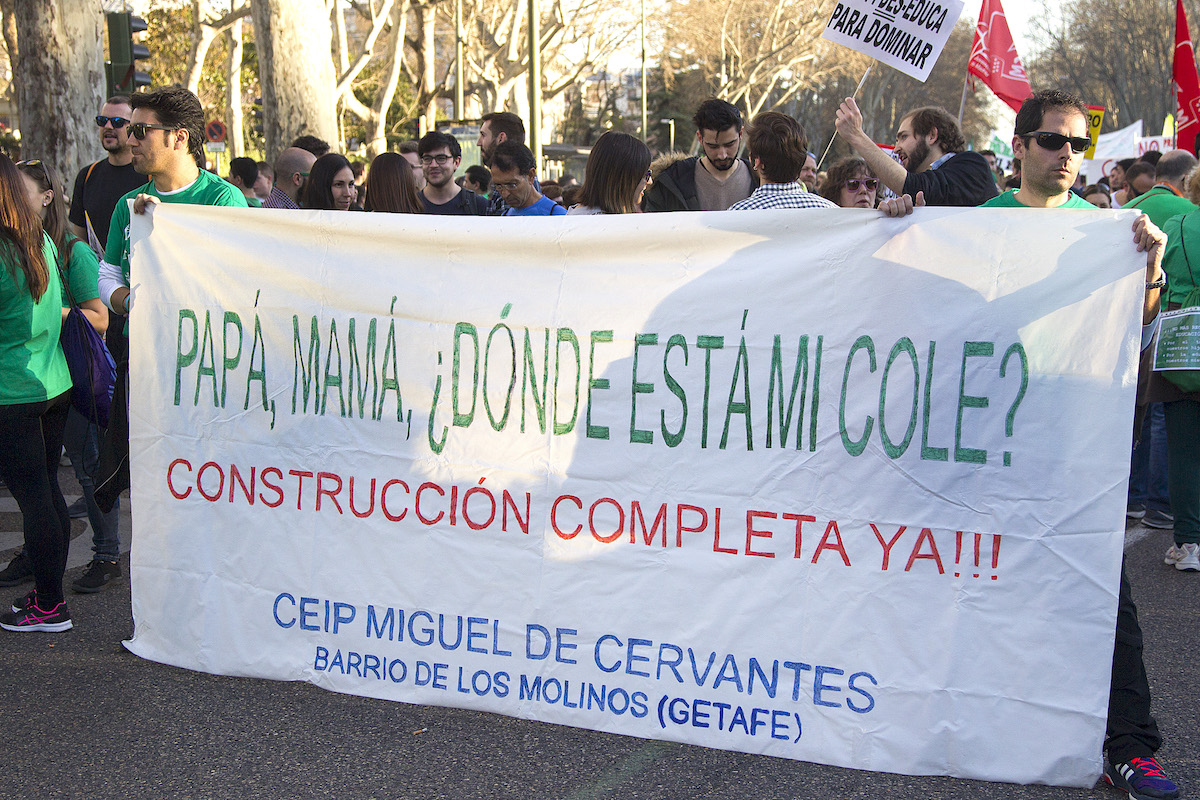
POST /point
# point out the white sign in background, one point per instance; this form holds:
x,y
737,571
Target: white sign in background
x,y
907,35
568,470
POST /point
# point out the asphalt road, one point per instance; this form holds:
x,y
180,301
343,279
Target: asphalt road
x,y
83,718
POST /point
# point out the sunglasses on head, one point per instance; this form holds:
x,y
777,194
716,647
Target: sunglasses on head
x,y
1055,141
871,183
33,162
138,129
117,122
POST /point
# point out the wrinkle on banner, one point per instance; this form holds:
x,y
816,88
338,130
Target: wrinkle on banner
x,y
819,484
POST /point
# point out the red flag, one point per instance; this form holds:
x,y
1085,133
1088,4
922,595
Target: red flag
x,y
1187,85
994,58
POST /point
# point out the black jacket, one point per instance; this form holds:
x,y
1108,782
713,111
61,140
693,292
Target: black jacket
x,y
964,180
675,187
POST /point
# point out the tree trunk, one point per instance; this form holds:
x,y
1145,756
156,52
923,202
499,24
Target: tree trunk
x,y
60,78
233,108
202,39
295,71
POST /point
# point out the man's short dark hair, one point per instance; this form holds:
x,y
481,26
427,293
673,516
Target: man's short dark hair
x,y
410,146
778,142
178,108
117,100
1151,157
925,119
480,176
1033,110
507,123
1174,166
436,140
318,147
510,155
986,153
246,169
1126,163
1136,170
717,115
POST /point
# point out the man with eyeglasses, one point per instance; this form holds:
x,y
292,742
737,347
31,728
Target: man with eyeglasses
x,y
778,152
514,176
440,155
936,161
291,178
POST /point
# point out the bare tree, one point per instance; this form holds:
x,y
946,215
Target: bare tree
x,y
295,70
59,73
205,29
1114,53
757,54
577,38
233,95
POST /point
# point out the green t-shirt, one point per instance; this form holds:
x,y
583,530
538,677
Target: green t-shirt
x,y
1160,204
1009,200
83,275
32,365
207,190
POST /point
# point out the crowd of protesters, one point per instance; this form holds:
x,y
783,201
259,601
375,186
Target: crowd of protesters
x,y
54,259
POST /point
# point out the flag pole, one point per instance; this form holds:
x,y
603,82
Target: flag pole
x,y
857,89
962,104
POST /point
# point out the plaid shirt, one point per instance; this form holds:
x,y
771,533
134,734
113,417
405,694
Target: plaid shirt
x,y
278,199
781,195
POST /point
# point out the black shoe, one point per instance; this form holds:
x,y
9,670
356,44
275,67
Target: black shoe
x,y
17,572
98,575
1158,519
78,509
25,602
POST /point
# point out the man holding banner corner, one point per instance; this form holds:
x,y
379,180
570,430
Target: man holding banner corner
x,y
1051,137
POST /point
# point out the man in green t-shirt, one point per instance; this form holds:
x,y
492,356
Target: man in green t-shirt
x,y
1051,136
167,133
167,137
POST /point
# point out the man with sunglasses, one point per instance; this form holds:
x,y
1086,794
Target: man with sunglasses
x,y
440,155
166,135
1051,137
99,186
936,162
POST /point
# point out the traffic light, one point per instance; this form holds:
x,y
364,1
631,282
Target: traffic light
x,y
121,70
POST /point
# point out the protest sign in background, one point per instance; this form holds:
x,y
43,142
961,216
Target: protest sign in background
x,y
818,484
907,35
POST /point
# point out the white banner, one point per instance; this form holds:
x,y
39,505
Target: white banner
x,y
907,35
818,484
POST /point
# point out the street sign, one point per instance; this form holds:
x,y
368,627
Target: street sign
x,y
215,131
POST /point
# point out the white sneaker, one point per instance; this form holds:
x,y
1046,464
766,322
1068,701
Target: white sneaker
x,y
1184,557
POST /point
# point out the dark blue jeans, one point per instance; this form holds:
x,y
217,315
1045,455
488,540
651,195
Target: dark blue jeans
x,y
1148,467
82,440
31,440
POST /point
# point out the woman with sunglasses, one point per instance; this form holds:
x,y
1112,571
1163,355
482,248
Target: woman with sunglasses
x,y
34,398
330,184
616,177
78,267
851,184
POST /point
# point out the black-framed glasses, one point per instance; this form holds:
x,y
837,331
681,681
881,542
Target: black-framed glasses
x,y
117,122
138,129
1055,141
871,183
441,159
